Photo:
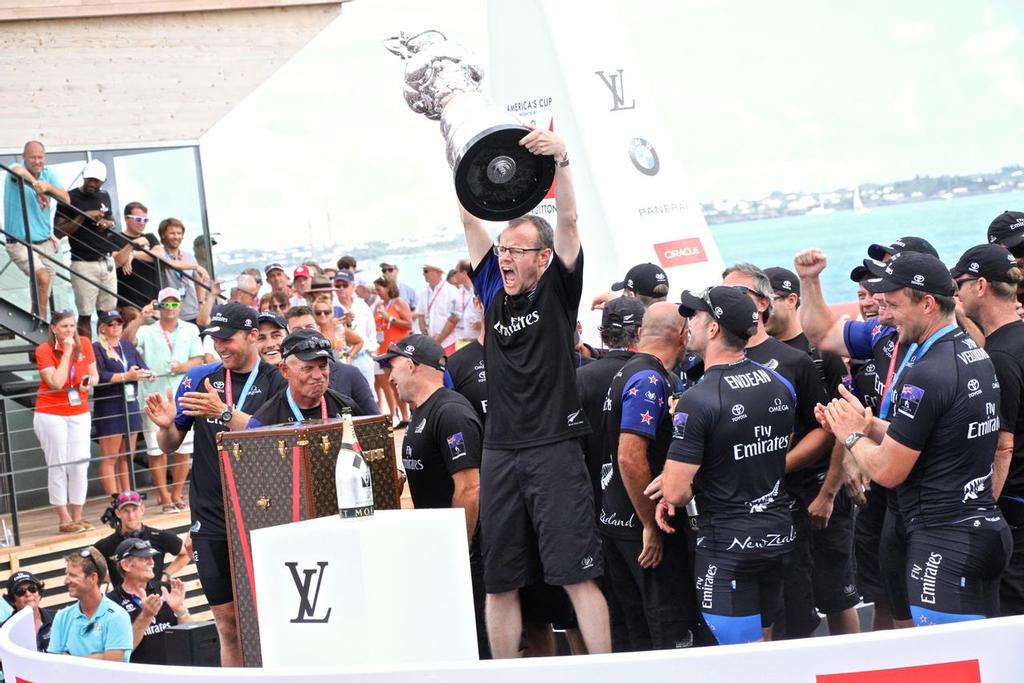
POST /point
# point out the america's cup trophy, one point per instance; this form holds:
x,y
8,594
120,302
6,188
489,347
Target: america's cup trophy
x,y
495,178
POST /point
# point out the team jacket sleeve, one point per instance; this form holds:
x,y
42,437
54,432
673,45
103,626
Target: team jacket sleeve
x,y
644,404
192,381
487,279
459,438
691,423
860,337
921,401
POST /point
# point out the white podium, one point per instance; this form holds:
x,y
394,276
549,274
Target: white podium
x,y
391,589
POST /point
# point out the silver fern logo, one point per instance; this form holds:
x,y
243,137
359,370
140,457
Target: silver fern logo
x,y
606,475
761,504
976,486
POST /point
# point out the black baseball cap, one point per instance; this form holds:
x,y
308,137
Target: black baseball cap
x,y
730,307
273,319
783,281
879,251
923,272
622,312
861,272
18,578
306,345
990,261
107,317
231,318
419,348
1007,229
134,547
344,275
642,279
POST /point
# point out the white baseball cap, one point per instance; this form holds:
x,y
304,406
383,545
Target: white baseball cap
x,y
95,169
168,293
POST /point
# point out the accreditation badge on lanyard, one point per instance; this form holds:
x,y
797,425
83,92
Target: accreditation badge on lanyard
x,y
129,387
74,397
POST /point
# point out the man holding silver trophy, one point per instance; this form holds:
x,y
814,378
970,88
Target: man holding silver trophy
x,y
536,500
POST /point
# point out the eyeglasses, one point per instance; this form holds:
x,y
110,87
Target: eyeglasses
x,y
711,307
323,312
30,588
342,284
515,252
960,283
278,307
313,344
170,305
141,220
387,270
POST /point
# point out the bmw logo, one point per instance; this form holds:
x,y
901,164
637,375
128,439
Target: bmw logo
x,y
643,156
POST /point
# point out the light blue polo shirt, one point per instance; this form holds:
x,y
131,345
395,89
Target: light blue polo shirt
x,y
40,222
74,634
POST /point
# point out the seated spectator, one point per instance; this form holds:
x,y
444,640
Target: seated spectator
x,y
153,607
25,590
125,517
40,185
115,409
67,368
93,625
93,279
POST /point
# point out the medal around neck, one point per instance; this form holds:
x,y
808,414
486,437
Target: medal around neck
x,y
495,178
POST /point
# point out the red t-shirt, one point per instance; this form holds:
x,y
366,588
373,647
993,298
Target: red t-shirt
x,y
55,401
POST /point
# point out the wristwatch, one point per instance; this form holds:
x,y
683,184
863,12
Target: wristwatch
x,y
564,162
225,417
852,439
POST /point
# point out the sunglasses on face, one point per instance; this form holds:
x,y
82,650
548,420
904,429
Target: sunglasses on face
x,y
170,305
322,312
342,284
141,220
387,270
30,588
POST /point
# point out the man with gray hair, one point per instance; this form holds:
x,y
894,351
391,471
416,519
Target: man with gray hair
x,y
245,292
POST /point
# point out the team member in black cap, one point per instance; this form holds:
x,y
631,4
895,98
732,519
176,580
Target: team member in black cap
x,y
441,450
987,277
819,486
646,573
882,253
213,398
645,281
304,367
273,329
620,323
730,436
938,448
25,590
1007,229
810,447
153,607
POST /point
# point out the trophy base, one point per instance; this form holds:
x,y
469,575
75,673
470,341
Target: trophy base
x,y
496,179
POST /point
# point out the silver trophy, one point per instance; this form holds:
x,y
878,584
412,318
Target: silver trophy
x,y
495,178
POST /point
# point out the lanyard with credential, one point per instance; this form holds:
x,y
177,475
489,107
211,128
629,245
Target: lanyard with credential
x,y
245,389
299,417
913,355
123,359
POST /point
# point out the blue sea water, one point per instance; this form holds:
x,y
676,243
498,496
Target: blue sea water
x,y
952,226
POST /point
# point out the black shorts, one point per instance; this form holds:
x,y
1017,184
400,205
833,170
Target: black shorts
x,y
953,570
834,573
797,617
734,587
1011,586
867,536
537,517
892,552
656,605
544,604
213,565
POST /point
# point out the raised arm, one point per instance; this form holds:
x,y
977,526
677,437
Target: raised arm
x,y
823,328
567,237
478,240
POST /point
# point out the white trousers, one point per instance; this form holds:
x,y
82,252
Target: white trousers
x,y
65,444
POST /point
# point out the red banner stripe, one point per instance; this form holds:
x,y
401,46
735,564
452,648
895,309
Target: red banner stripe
x,y
966,671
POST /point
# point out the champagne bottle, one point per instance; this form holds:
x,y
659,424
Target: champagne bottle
x,y
352,474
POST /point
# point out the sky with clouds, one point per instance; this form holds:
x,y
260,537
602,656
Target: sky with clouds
x,y
794,95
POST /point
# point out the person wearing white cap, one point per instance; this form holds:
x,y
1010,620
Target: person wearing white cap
x,y
93,278
439,310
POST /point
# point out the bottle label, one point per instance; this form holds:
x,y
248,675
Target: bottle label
x,y
355,513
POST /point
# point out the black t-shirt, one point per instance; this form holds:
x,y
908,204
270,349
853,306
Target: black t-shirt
x,y
528,347
1005,346
831,368
946,406
592,383
143,284
798,369
88,243
736,425
163,541
206,497
148,651
468,376
636,402
276,411
444,436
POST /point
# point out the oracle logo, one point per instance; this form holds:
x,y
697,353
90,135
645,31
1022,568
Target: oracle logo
x,y
680,252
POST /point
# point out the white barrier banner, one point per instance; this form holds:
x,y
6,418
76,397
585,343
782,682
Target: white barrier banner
x,y
970,652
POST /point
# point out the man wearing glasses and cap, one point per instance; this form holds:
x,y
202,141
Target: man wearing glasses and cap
x,y
1007,230
210,399
304,357
938,446
92,626
731,434
152,607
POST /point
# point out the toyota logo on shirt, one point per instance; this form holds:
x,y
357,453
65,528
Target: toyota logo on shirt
x,y
680,252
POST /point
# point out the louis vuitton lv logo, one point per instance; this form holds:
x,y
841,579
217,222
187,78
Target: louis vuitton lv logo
x,y
304,584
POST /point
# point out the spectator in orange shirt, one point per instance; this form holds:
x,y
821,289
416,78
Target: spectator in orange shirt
x,y
67,368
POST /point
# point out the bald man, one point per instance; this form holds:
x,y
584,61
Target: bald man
x,y
646,572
